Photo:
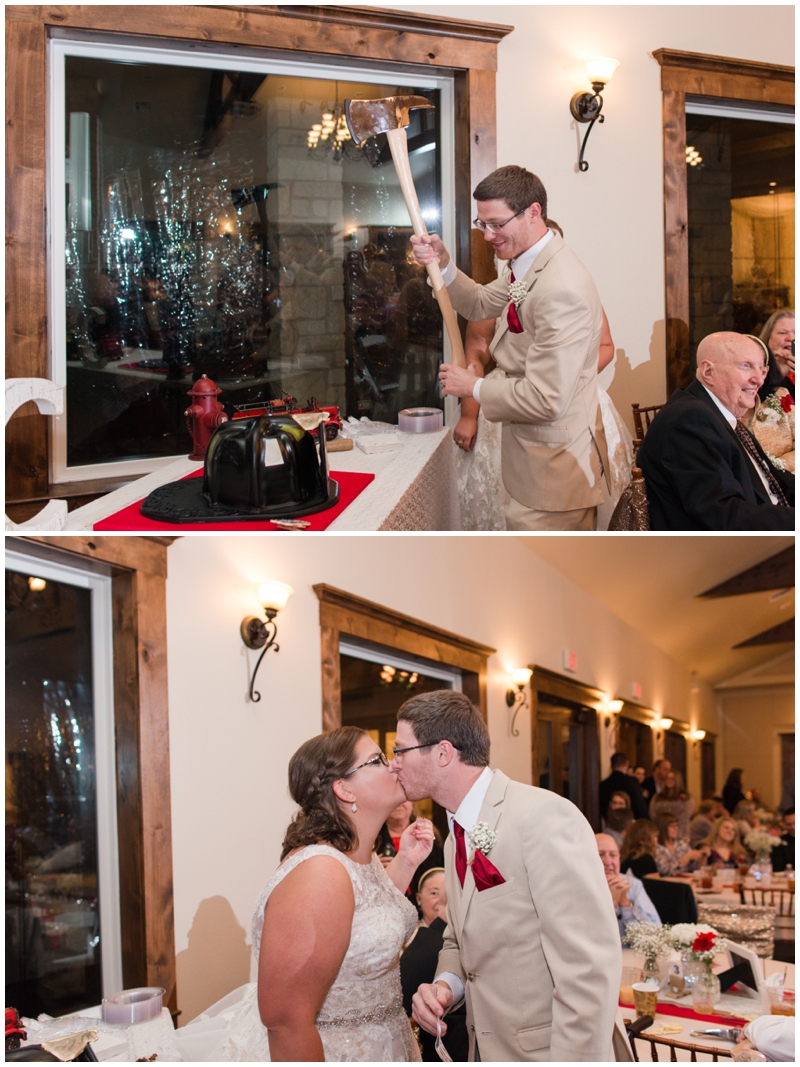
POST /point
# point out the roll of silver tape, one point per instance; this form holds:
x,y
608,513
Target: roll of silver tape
x,y
420,420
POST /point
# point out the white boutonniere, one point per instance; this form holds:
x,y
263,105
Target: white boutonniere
x,y
482,839
517,291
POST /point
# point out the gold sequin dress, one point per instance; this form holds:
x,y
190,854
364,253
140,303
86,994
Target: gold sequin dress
x,y
362,1019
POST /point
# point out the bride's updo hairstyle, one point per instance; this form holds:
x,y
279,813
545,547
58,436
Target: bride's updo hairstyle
x,y
312,771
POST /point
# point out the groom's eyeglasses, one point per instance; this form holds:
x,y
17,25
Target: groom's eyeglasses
x,y
399,751
378,758
494,227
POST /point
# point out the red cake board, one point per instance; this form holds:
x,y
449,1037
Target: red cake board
x,y
130,519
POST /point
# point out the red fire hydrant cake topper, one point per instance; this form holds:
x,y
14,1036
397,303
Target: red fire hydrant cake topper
x,y
204,416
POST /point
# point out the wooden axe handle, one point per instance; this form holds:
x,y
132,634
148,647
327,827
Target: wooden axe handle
x,y
398,144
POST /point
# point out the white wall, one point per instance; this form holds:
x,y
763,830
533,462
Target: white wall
x,y
229,757
612,214
752,721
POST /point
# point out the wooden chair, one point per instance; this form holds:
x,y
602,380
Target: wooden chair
x,y
642,417
782,900
710,1055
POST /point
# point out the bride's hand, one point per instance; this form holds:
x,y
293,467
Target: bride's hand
x,y
416,842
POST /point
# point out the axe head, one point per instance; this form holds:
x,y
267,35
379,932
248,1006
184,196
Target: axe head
x,y
365,118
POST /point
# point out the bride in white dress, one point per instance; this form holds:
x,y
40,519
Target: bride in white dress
x,y
329,926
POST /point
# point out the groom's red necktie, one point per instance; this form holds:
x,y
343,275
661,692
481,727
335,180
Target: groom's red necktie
x,y
514,325
461,852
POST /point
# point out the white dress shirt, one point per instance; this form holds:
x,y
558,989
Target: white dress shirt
x,y
466,817
731,419
520,266
774,1036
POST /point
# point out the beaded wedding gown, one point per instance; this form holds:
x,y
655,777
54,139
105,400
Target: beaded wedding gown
x,y
362,1019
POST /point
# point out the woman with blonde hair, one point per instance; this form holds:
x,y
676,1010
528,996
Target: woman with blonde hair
x,y
772,419
724,844
639,851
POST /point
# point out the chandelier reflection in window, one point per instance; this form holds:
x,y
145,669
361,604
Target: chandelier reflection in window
x,y
331,134
404,679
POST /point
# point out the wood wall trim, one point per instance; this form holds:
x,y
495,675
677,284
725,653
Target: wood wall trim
x,y
138,569
397,39
561,685
714,77
343,613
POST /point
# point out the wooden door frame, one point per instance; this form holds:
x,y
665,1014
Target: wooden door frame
x,y
397,39
718,78
343,613
564,688
137,567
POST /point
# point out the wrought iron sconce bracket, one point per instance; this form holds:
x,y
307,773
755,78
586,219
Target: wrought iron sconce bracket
x,y
516,700
587,107
259,634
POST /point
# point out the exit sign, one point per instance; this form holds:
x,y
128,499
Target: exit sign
x,y
570,660
636,690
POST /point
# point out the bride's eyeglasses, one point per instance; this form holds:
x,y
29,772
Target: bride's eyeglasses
x,y
377,758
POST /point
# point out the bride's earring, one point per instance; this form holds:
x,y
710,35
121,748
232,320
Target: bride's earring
x,y
354,808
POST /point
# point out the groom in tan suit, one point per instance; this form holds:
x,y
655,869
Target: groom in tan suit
x,y
532,940
547,341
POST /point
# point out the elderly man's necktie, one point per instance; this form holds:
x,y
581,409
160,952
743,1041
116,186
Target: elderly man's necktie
x,y
514,325
461,852
749,444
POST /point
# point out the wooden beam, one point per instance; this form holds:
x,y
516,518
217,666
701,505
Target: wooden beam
x,y
777,572
783,633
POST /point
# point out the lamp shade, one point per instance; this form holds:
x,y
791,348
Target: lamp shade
x,y
665,723
699,735
522,676
601,69
616,705
274,595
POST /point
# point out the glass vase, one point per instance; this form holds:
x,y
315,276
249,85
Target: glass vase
x,y
692,969
762,872
650,972
705,993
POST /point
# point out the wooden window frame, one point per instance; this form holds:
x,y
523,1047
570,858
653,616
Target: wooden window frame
x,y
400,40
342,613
137,567
717,78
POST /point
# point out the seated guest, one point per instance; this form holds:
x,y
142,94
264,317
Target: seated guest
x,y
673,853
732,791
703,470
744,815
673,798
655,783
619,781
783,854
771,1035
419,960
777,335
725,847
388,844
639,850
708,812
618,817
628,894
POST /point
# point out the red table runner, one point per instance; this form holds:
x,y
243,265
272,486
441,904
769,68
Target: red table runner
x,y
688,1013
130,519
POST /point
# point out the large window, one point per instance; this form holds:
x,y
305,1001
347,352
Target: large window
x,y
741,217
212,216
63,950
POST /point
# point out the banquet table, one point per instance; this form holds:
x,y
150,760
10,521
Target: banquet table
x,y
414,488
736,1004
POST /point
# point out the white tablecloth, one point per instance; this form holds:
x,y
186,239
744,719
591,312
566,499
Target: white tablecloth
x,y
414,488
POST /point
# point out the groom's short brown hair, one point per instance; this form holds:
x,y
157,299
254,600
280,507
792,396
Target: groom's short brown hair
x,y
517,186
446,715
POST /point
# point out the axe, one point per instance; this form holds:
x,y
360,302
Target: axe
x,y
365,118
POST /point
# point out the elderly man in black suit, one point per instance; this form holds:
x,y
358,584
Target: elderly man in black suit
x,y
703,469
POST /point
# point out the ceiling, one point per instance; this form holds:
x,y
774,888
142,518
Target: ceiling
x,y
652,584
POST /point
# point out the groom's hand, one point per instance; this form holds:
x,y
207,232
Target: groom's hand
x,y
456,381
429,1004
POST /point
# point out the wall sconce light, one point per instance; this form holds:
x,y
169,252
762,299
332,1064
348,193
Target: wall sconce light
x,y
586,107
664,724
258,634
614,707
518,700
697,737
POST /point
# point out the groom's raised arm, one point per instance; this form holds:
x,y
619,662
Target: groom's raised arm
x,y
578,929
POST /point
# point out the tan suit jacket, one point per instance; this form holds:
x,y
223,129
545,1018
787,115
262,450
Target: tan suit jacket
x,y
540,955
553,446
